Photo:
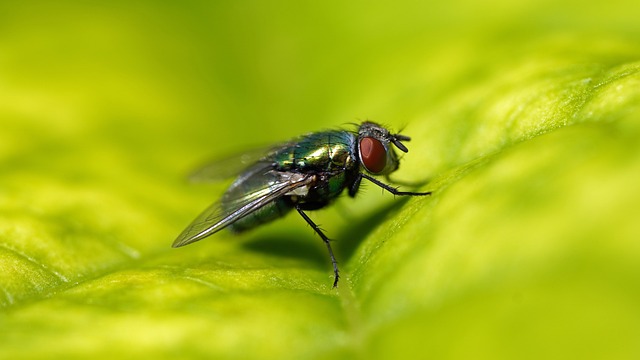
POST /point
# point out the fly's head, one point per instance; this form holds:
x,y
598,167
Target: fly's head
x,y
376,154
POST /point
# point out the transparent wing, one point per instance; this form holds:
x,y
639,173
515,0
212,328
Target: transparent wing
x,y
268,185
233,165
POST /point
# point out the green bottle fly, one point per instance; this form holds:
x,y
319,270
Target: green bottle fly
x,y
307,173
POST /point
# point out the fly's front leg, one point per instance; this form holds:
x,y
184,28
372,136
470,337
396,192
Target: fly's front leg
x,y
326,242
355,186
391,189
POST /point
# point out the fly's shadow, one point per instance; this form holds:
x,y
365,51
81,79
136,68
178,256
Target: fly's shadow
x,y
309,247
352,236
290,246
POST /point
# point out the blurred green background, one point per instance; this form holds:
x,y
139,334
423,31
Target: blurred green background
x,y
525,123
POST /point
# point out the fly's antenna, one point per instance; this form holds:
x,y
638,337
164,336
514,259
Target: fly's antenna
x,y
396,138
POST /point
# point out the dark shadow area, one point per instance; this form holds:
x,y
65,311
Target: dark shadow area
x,y
286,245
353,234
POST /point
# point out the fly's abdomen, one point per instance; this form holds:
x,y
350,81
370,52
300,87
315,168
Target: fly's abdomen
x,y
265,214
249,189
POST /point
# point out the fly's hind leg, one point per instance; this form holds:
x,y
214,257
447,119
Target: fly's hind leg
x,y
326,242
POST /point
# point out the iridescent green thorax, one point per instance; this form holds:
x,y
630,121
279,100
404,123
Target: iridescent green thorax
x,y
328,151
330,156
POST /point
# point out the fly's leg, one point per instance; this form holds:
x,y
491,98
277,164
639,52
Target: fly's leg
x,y
353,190
326,242
391,189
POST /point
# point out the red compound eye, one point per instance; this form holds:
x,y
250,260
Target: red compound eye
x,y
373,155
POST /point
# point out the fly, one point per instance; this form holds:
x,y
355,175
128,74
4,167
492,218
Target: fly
x,y
307,173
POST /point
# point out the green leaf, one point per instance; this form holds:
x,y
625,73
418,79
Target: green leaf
x,y
525,125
